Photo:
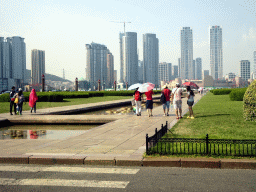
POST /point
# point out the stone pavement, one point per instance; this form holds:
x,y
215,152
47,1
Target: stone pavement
x,y
121,141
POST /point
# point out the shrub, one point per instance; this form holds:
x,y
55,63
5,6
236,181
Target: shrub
x,y
250,102
221,91
237,94
5,97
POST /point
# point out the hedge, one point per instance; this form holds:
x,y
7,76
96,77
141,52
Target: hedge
x,y
59,96
42,97
221,91
250,102
237,94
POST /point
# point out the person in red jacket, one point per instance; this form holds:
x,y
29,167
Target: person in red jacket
x,y
167,94
137,97
149,103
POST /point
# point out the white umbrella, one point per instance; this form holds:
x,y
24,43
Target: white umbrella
x,y
134,86
146,87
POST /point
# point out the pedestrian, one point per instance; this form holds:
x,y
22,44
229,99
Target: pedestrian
x,y
12,98
166,105
149,102
21,100
32,100
190,102
137,98
177,102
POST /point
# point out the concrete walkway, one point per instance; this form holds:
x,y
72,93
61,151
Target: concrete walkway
x,y
121,141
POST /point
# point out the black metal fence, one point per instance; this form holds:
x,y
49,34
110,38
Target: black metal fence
x,y
191,146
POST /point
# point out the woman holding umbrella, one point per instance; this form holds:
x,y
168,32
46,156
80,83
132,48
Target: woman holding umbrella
x,y
148,89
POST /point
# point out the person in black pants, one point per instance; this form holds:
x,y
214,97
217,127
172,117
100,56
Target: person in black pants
x,y
12,104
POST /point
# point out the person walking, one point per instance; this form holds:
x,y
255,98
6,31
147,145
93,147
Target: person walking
x,y
190,102
32,100
21,100
149,102
137,97
166,105
177,102
12,98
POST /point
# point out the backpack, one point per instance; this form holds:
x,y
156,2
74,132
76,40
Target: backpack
x,y
137,95
162,98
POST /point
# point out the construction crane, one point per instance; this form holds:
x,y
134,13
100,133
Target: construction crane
x,y
121,22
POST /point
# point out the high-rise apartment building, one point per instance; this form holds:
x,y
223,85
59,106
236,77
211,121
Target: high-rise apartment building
x,y
216,54
174,72
164,72
245,69
198,69
254,69
37,66
140,71
186,61
194,68
121,57
96,63
206,73
178,67
150,58
12,62
130,58
110,70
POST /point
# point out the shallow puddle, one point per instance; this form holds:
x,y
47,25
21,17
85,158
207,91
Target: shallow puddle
x,y
43,131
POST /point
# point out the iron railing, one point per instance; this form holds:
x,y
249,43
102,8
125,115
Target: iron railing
x,y
193,146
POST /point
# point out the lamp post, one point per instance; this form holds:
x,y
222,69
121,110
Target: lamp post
x,y
76,82
43,82
115,85
126,86
99,85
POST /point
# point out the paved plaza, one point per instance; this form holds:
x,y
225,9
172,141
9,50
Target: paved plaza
x,y
121,139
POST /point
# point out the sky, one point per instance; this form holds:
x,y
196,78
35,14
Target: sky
x,y
62,28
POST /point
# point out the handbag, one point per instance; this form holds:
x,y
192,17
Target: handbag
x,y
16,100
12,99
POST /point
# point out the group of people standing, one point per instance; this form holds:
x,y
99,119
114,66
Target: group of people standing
x,y
173,96
17,99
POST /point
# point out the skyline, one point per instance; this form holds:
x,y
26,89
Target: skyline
x,y
63,29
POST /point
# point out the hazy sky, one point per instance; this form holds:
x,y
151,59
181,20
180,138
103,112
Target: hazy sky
x,y
62,28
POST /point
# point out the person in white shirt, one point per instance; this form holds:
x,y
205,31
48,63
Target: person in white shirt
x,y
177,102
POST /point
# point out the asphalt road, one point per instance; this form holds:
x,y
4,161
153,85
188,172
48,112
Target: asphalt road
x,y
99,178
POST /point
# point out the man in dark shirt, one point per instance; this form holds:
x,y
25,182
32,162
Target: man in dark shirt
x,y
12,104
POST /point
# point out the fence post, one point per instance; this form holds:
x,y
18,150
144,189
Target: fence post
x,y
166,127
146,143
207,143
162,130
156,134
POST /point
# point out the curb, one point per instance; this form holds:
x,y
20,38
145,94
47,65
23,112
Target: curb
x,y
130,161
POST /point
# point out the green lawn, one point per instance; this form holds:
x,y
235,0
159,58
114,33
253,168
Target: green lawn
x,y
217,116
5,106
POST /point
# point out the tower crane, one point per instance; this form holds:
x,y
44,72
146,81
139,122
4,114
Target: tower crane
x,y
121,22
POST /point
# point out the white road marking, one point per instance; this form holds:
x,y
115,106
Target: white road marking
x,y
64,183
69,169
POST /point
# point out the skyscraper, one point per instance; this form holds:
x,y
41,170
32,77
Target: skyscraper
x,y
194,69
121,57
110,70
37,66
206,73
178,67
96,63
164,72
150,58
216,57
186,61
130,58
12,62
174,72
245,69
198,69
254,69
140,71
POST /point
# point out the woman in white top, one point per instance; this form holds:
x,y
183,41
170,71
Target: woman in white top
x,y
190,102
